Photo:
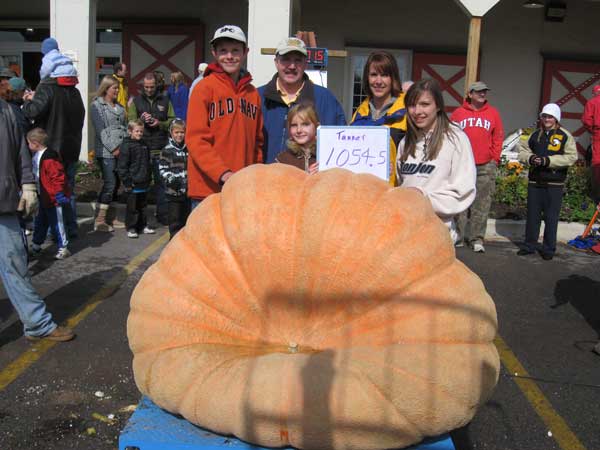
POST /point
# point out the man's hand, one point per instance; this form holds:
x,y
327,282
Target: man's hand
x,y
153,123
535,160
28,204
116,152
28,95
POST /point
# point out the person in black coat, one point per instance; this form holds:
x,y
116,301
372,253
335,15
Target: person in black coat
x,y
57,107
134,170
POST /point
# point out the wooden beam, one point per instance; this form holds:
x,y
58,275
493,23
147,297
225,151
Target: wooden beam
x,y
473,52
332,53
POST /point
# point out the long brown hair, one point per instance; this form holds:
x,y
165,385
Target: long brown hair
x,y
442,127
383,63
176,80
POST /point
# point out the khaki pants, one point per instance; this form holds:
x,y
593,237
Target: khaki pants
x,y
472,223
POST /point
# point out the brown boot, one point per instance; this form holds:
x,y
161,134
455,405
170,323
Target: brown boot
x,y
111,217
60,334
100,223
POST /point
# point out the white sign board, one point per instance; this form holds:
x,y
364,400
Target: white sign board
x,y
358,149
318,77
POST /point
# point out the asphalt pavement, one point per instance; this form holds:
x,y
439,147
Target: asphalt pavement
x,y
79,395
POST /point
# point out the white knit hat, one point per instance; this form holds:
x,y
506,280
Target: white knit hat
x,y
552,109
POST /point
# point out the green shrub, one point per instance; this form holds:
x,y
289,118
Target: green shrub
x,y
511,190
577,205
511,185
87,169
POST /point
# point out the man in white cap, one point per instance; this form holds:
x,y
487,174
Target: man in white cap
x,y
549,152
224,130
290,86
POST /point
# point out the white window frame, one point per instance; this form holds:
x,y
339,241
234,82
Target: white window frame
x,y
404,58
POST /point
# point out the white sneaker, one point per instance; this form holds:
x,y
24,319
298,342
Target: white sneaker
x,y
62,253
28,232
478,248
148,230
132,234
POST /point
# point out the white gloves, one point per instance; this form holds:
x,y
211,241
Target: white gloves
x,y
29,203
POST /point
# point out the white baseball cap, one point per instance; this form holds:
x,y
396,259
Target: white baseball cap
x,y
231,32
552,109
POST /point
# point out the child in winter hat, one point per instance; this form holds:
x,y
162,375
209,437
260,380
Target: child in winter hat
x,y
54,63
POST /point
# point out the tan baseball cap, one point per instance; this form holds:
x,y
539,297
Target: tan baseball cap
x,y
291,44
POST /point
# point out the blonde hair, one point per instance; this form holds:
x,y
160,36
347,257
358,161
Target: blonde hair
x,y
134,123
38,135
305,110
176,79
107,82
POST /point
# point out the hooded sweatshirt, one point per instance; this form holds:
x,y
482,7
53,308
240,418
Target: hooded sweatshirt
x,y
224,130
56,65
447,181
484,129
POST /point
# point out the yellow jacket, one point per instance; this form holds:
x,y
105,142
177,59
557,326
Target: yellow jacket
x,y
123,91
394,118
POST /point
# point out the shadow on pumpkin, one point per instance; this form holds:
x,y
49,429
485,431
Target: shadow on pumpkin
x,y
320,382
63,302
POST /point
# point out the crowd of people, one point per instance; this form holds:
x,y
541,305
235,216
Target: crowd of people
x,y
185,143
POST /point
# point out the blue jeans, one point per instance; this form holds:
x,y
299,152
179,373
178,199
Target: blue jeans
x,y
37,321
110,180
71,213
543,203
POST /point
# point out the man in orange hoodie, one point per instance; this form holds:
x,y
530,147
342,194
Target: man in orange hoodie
x,y
482,124
224,132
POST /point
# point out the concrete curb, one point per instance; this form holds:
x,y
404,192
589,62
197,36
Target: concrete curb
x,y
514,230
497,230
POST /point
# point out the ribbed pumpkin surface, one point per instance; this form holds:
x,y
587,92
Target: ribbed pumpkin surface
x,y
322,312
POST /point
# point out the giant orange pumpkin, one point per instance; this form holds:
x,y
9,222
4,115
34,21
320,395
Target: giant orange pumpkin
x,y
322,312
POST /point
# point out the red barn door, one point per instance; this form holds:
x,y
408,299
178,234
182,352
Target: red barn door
x,y
448,70
569,84
168,48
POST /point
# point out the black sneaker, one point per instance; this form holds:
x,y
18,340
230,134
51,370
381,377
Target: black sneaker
x,y
547,256
525,252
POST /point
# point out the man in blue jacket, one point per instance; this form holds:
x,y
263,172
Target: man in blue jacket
x,y
289,86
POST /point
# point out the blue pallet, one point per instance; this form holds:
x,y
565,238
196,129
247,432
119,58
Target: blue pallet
x,y
152,428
